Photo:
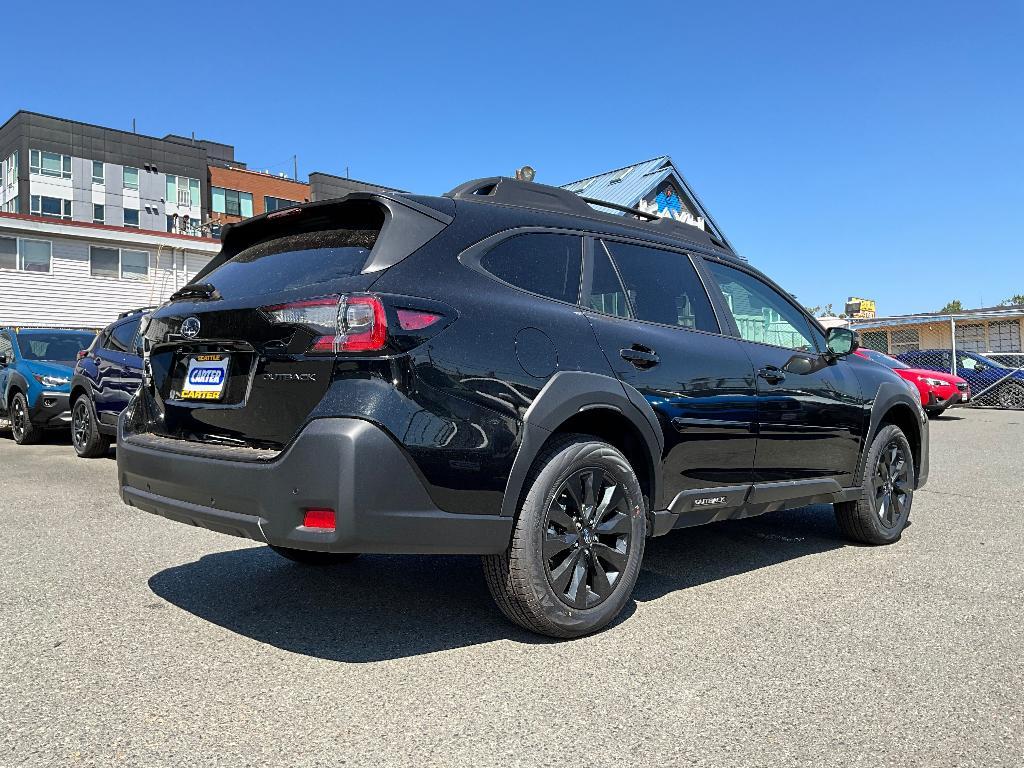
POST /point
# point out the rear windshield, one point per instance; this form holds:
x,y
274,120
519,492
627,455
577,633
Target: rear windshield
x,y
59,347
294,261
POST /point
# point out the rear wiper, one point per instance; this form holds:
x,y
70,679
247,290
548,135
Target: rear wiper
x,y
197,291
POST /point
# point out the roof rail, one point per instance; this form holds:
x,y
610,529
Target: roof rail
x,y
507,191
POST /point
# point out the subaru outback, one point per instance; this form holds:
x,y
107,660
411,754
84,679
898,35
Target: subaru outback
x,y
505,371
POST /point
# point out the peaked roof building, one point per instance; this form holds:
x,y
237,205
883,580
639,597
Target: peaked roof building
x,y
652,186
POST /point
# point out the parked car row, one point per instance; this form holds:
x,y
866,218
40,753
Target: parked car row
x,y
70,378
938,390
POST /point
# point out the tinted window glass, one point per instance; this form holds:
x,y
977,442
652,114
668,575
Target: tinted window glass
x,y
295,261
761,313
6,348
122,336
547,264
663,287
606,292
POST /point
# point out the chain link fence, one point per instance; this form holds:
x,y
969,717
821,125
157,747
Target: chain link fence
x,y
984,350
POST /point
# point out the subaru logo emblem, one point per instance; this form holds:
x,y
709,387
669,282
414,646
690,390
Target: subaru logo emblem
x,y
190,327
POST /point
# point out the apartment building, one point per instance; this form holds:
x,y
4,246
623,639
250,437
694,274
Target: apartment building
x,y
237,192
71,171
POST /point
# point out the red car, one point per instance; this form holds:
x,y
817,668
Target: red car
x,y
938,390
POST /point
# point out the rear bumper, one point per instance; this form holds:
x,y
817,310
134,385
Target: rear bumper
x,y
51,410
348,465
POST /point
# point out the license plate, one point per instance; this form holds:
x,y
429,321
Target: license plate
x,y
205,377
965,396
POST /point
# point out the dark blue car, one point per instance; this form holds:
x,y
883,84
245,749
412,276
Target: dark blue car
x,y
105,378
980,372
35,373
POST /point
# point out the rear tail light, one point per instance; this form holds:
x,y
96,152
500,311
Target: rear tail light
x,y
82,354
342,323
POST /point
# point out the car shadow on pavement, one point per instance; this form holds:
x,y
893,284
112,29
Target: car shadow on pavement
x,y
383,607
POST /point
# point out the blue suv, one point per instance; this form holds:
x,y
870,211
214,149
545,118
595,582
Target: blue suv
x,y
105,379
35,378
980,372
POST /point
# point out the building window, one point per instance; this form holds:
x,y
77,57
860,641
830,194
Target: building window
x,y
26,255
115,262
11,177
97,213
277,203
49,164
876,340
905,340
50,206
131,217
134,265
970,338
231,202
1004,336
11,206
8,253
131,177
97,172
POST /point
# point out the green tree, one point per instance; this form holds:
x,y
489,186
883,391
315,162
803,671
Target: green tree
x,y
1016,300
954,306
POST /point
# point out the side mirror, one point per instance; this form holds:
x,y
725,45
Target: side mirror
x,y
842,341
979,367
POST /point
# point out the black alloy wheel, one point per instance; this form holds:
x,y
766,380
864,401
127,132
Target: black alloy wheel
x,y
22,428
19,420
587,538
891,484
81,425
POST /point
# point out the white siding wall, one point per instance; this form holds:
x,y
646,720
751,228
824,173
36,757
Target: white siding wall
x,y
70,296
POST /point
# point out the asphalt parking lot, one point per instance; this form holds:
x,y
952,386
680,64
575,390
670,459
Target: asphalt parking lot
x,y
126,639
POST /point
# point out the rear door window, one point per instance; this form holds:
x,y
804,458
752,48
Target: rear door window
x,y
122,338
542,263
662,286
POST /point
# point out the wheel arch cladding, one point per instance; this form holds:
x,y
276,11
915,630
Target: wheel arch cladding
x,y
589,403
893,405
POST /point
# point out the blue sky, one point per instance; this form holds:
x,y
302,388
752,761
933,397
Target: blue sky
x,y
872,149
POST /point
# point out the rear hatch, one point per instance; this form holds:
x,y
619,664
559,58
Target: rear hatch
x,y
244,353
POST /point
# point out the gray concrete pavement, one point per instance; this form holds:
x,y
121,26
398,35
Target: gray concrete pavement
x,y
126,639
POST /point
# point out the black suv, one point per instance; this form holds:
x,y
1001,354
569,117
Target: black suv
x,y
509,372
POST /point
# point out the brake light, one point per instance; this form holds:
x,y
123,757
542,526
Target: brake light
x,y
342,323
82,354
414,320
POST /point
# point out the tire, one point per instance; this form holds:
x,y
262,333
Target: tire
x,y
887,494
1011,396
570,568
309,557
22,428
86,437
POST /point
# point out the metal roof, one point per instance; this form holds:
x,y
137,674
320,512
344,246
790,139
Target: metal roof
x,y
629,184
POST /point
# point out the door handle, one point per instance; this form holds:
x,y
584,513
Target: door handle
x,y
771,374
640,356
